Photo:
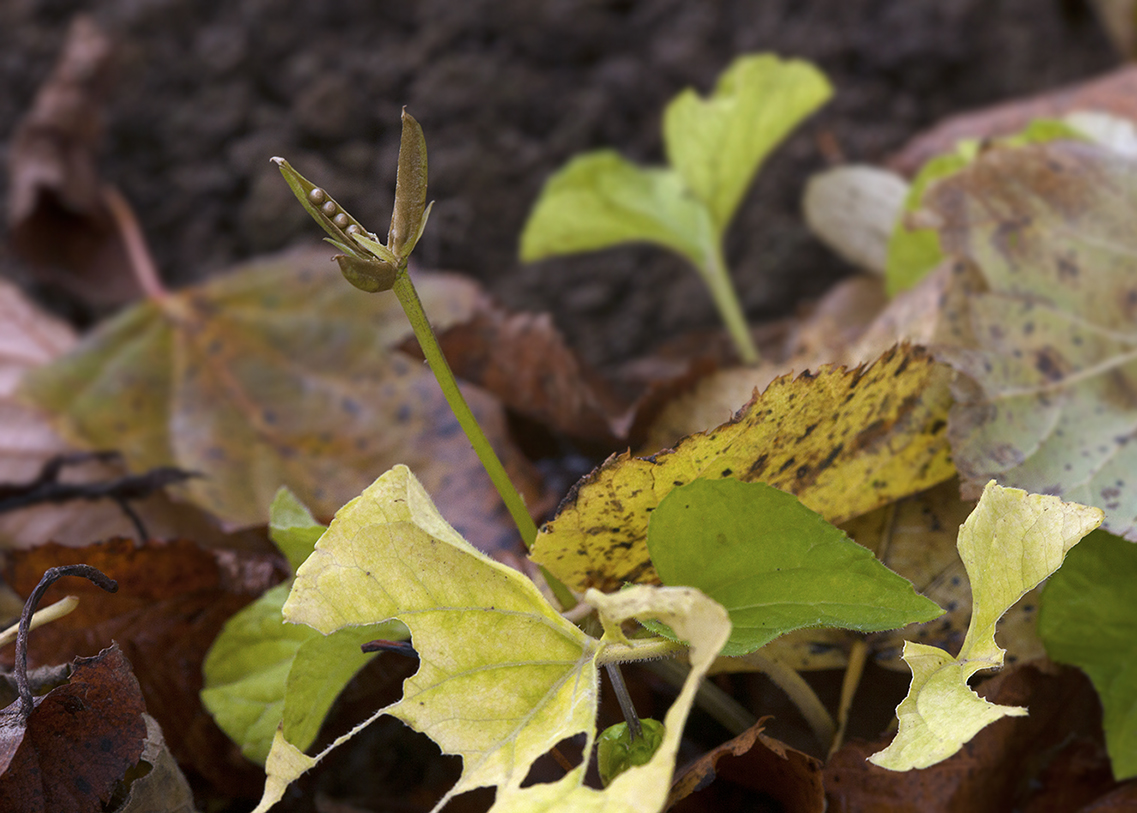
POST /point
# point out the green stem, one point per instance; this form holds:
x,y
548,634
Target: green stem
x,y
408,297
717,277
639,649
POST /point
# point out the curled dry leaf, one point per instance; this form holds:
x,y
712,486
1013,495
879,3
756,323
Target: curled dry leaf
x,y
752,764
57,209
78,741
172,600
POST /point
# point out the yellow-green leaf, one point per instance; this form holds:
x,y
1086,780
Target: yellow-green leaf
x,y
600,199
843,441
644,788
1009,544
502,677
717,144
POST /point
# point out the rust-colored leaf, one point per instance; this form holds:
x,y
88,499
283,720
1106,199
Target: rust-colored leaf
x,y
78,741
172,600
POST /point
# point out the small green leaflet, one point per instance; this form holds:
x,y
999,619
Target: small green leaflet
x,y
502,677
775,565
1009,544
261,672
715,147
1088,617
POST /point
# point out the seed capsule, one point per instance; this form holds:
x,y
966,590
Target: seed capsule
x,y
317,196
329,208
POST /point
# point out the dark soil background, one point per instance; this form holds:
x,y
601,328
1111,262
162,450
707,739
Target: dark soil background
x,y
507,91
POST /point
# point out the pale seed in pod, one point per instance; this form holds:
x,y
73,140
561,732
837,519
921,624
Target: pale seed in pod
x,y
341,220
317,196
329,208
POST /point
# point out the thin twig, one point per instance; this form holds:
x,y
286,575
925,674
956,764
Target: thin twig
x,y
52,575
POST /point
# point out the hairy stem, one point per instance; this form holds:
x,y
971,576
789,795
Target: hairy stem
x,y
801,693
717,277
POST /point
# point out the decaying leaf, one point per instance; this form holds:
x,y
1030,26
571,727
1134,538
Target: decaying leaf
x,y
1047,400
1009,544
172,601
523,360
1112,93
275,374
57,205
30,338
843,441
162,787
78,741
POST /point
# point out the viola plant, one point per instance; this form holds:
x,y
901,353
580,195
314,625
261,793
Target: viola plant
x,y
741,563
714,146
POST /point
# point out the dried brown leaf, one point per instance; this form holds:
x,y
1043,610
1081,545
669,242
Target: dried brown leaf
x,y
752,764
78,741
172,600
57,209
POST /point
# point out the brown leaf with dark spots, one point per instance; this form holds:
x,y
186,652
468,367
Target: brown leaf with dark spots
x,y
751,765
172,601
78,741
1052,760
57,207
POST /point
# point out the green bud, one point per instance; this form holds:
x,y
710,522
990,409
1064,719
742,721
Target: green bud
x,y
616,752
367,275
410,189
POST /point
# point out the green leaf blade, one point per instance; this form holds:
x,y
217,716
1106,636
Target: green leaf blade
x,y
1088,618
718,144
775,565
599,200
